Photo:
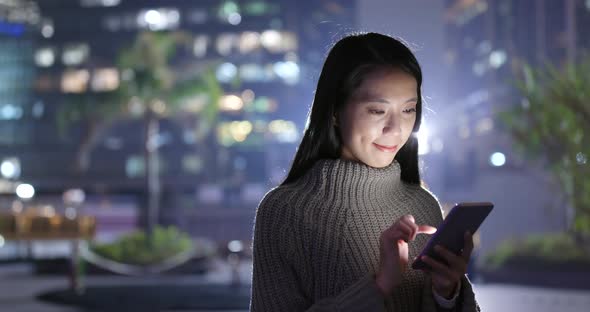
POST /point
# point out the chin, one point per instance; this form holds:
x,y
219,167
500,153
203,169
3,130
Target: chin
x,y
379,162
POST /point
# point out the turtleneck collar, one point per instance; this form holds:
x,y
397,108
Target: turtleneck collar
x,y
340,175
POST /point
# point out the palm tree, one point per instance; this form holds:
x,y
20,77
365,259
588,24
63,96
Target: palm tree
x,y
154,85
552,124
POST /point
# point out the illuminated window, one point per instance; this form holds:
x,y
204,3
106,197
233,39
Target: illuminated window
x,y
230,133
226,72
289,42
288,71
158,19
106,79
135,166
47,29
200,45
248,96
11,112
229,12
45,57
99,3
263,104
276,42
75,54
226,42
284,131
249,41
271,40
497,58
259,8
234,19
462,12
255,72
231,103
75,81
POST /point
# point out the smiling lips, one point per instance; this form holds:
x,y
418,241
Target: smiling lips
x,y
387,149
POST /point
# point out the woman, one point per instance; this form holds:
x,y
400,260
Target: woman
x,y
340,232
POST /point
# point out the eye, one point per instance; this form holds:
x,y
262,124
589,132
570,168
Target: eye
x,y
376,112
410,110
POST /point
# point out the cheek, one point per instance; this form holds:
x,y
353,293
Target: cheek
x,y
407,128
365,130
353,125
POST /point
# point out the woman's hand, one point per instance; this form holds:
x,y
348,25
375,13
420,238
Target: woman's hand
x,y
394,251
446,277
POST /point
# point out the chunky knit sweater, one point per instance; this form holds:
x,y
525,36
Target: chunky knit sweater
x,y
316,242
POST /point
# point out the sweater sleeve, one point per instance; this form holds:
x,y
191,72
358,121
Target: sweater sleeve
x,y
465,301
276,284
444,302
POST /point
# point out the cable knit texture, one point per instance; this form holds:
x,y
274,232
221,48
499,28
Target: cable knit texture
x,y
316,242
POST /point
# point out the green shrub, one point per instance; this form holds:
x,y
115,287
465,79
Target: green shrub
x,y
539,250
135,248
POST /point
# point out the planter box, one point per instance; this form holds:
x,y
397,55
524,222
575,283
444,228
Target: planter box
x,y
561,277
61,266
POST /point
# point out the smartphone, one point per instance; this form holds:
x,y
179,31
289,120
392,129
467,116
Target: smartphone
x,y
463,217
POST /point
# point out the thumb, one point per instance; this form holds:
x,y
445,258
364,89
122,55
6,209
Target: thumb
x,y
402,248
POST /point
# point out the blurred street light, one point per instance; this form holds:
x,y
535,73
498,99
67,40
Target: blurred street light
x,y
25,191
498,159
10,168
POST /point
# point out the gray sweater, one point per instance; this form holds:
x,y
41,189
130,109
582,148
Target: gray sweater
x,y
316,242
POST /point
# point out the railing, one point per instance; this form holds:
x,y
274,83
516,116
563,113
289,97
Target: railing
x,y
31,227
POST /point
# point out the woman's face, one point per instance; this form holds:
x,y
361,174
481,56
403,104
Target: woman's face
x,y
379,117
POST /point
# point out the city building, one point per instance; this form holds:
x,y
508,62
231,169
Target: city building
x,y
266,58
487,43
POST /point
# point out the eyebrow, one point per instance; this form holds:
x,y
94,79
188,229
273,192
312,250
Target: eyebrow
x,y
380,100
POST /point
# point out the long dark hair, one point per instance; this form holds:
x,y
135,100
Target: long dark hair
x,y
348,63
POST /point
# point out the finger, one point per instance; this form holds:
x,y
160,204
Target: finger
x,y
391,236
403,230
409,218
441,280
468,249
404,255
456,263
440,268
426,229
412,226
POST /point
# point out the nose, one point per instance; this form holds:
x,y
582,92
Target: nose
x,y
393,125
